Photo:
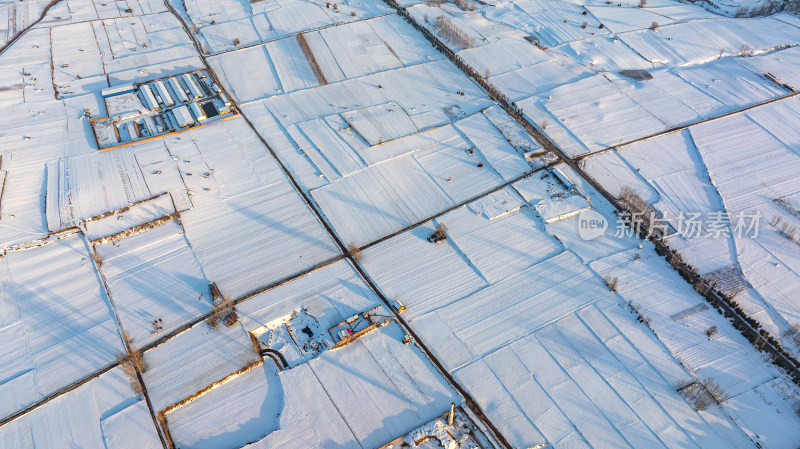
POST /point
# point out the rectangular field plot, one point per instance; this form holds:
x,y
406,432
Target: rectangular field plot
x,y
155,281
381,199
618,118
251,404
85,186
104,412
382,123
371,390
254,239
56,322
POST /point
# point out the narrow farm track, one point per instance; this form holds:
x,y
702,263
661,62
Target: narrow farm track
x,y
761,339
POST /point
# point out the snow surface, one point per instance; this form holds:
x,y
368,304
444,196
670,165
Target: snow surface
x,y
57,322
708,168
356,141
101,413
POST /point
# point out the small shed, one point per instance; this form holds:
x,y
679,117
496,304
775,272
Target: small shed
x,y
562,178
225,100
118,90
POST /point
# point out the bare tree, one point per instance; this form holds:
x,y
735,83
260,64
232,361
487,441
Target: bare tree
x,y
465,5
785,229
793,333
354,252
611,283
131,362
96,258
704,392
714,389
675,259
224,311
697,396
130,373
452,33
642,210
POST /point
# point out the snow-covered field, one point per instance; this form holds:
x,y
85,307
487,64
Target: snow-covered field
x,y
526,326
365,393
57,321
573,89
743,164
372,239
709,128
225,25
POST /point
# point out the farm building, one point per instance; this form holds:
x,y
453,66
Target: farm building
x,y
158,107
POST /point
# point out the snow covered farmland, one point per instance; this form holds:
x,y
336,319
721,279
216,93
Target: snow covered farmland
x,y
385,245
573,85
636,97
366,393
230,24
712,168
57,322
376,148
505,317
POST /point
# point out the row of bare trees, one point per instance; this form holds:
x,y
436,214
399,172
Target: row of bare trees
x,y
465,5
452,33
